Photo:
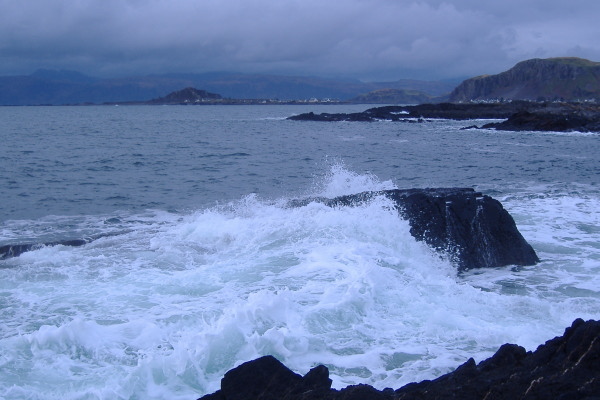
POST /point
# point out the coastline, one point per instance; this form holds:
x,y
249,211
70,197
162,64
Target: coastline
x,y
517,115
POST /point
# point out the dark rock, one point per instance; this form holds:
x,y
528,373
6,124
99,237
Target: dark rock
x,y
268,379
566,367
520,115
474,229
15,250
361,392
328,117
455,111
318,378
540,121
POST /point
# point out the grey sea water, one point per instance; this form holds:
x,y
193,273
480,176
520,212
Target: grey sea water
x,y
77,160
199,266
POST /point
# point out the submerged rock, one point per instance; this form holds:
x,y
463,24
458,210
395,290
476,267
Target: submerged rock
x,y
472,228
15,250
566,367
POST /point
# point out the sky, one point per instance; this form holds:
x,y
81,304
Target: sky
x,y
369,40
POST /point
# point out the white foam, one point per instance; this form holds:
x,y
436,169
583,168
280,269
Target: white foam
x,y
167,308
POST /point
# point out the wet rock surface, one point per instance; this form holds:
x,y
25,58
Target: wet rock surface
x,y
16,249
472,228
566,367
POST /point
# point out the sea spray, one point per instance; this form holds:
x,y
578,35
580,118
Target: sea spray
x,y
339,181
166,306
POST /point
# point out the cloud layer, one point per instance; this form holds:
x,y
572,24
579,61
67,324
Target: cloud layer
x,y
365,39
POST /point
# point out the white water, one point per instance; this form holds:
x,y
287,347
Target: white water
x,y
165,308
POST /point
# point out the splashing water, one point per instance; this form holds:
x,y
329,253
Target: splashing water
x,y
167,307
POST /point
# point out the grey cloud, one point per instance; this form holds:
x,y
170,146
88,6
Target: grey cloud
x,y
376,39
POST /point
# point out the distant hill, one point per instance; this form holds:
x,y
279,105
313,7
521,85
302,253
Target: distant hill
x,y
566,78
393,96
186,96
71,87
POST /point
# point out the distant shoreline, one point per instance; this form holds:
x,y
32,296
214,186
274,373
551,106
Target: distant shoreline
x,y
228,102
518,115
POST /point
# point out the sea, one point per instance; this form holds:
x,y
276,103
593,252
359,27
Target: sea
x,y
196,261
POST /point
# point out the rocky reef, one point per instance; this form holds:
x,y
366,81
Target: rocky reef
x,y
472,228
455,111
16,249
518,115
566,367
548,121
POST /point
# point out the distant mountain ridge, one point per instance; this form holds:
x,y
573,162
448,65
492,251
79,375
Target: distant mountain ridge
x,y
70,87
563,78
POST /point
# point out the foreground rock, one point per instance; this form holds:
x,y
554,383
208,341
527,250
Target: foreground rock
x,y
267,378
474,229
519,115
566,367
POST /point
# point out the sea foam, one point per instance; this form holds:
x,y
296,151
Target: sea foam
x,y
165,308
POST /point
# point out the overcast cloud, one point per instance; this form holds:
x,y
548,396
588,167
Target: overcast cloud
x,y
364,39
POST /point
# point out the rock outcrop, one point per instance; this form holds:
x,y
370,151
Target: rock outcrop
x,y
519,115
548,121
567,78
454,111
15,250
472,228
463,111
268,379
566,367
